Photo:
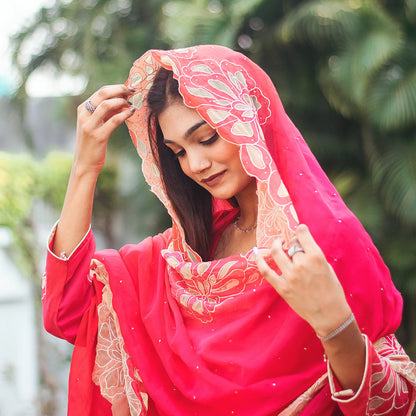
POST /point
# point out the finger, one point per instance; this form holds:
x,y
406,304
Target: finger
x,y
110,107
118,119
279,255
269,274
110,91
306,240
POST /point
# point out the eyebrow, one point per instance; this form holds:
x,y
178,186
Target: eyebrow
x,y
188,132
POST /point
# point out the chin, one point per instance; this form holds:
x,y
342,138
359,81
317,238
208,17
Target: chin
x,y
222,196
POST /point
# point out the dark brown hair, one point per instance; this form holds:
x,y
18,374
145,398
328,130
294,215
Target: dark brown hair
x,y
191,202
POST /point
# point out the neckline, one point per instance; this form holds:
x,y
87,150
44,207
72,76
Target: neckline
x,y
220,224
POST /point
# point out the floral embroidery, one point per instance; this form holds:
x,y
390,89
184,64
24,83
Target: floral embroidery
x,y
386,381
297,406
275,219
114,373
388,387
201,287
227,94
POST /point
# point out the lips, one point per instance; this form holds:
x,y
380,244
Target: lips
x,y
213,179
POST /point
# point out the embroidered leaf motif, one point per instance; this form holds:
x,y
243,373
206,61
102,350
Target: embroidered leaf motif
x,y
230,284
217,116
202,68
136,79
200,92
255,157
225,269
202,267
221,86
242,129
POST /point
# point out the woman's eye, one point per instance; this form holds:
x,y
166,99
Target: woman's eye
x,y
179,154
211,140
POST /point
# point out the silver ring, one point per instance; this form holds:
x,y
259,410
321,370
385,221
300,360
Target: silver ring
x,y
89,106
295,249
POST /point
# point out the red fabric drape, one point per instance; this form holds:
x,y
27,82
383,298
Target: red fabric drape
x,y
213,338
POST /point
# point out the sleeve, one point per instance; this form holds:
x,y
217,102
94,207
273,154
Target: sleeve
x,y
388,384
67,288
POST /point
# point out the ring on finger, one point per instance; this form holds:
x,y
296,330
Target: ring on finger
x,y
89,106
295,249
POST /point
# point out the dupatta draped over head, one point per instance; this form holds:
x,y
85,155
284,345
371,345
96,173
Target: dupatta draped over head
x,y
214,338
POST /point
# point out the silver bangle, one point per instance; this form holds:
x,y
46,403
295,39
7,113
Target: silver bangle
x,y
335,332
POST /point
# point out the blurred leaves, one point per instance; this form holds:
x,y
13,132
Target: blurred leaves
x,y
98,39
53,175
18,180
319,22
24,181
394,173
392,95
205,21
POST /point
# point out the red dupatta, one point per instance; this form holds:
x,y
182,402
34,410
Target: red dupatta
x,y
213,338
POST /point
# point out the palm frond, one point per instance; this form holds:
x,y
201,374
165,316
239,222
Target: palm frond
x,y
392,96
202,25
370,39
340,87
346,78
206,22
394,173
398,250
321,21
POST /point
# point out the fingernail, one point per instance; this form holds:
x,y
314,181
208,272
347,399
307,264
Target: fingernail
x,y
255,251
133,109
130,102
132,89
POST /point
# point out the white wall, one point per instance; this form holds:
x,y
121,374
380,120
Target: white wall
x,y
18,351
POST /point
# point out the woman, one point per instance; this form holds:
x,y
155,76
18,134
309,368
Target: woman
x,y
236,309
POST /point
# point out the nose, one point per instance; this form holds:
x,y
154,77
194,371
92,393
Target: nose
x,y
198,161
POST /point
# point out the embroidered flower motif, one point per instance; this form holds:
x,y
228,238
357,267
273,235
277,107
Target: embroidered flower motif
x,y
108,371
114,371
274,219
226,95
298,405
394,387
391,371
201,287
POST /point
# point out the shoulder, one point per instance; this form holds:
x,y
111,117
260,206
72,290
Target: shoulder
x,y
130,255
149,246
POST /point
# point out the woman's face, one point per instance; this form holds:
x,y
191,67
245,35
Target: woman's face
x,y
206,158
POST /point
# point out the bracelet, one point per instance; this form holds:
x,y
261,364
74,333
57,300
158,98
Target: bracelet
x,y
335,332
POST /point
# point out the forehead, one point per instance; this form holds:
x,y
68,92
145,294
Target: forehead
x,y
177,119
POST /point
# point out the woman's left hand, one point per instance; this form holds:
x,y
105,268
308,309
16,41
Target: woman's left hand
x,y
307,283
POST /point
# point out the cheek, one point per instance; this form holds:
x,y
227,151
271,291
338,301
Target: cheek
x,y
232,158
228,153
184,166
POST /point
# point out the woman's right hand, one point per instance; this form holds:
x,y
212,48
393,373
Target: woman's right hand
x,y
93,130
112,108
